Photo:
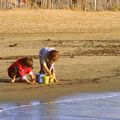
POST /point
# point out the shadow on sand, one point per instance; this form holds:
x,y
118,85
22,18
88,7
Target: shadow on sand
x,y
5,80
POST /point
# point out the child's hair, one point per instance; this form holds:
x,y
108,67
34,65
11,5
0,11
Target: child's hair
x,y
28,61
53,55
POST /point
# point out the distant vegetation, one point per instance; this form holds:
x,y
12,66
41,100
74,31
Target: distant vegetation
x,y
83,5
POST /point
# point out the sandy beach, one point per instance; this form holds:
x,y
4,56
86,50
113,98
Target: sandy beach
x,y
89,45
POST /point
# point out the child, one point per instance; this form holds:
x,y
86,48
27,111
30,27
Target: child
x,y
20,68
47,57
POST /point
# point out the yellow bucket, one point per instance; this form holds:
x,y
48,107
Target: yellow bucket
x,y
46,79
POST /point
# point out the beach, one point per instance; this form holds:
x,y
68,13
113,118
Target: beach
x,y
88,42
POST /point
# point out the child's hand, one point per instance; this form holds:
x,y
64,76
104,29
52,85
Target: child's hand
x,y
49,73
34,82
32,77
31,83
28,82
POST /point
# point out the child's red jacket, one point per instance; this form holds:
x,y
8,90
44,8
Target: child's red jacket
x,y
22,69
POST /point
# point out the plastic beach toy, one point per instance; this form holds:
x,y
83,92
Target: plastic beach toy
x,y
39,78
46,79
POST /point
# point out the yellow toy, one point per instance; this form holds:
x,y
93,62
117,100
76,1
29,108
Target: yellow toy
x,y
47,79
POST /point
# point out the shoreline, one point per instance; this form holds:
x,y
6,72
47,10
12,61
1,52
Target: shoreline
x,y
44,93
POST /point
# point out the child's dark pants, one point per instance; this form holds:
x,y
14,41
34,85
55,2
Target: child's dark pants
x,y
13,72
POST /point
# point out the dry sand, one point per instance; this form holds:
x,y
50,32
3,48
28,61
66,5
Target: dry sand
x,y
89,44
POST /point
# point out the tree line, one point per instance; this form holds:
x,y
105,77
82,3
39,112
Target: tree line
x,y
83,5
